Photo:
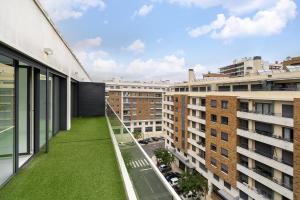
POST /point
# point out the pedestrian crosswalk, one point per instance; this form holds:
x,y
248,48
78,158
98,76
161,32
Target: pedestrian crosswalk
x,y
138,163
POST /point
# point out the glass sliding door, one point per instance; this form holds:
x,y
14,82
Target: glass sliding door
x,y
25,133
42,108
50,104
7,98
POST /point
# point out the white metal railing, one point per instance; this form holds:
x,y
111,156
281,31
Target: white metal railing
x,y
165,183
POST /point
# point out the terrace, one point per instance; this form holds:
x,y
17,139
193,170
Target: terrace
x,y
81,164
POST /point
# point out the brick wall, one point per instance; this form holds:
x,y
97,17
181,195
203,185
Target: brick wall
x,y
231,161
296,184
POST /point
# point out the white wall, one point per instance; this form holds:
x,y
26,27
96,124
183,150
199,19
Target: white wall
x,y
24,26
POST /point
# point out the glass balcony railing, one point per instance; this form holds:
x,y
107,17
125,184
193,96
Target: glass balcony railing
x,y
141,177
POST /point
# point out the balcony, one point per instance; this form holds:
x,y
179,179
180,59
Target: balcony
x,y
271,182
251,191
171,103
196,119
198,144
271,140
196,131
196,107
270,118
272,162
81,164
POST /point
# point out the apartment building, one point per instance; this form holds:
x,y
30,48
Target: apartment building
x,y
140,110
239,133
243,67
42,85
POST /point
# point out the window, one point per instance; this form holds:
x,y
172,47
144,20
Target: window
x,y
243,195
224,136
287,181
224,168
287,111
213,132
264,108
244,106
194,101
224,152
287,157
288,134
193,160
193,148
202,102
194,113
216,177
193,136
243,124
213,161
224,104
227,185
224,120
213,147
213,118
213,103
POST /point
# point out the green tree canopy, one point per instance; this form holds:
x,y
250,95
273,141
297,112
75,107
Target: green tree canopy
x,y
195,183
164,156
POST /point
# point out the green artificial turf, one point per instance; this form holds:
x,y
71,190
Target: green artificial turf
x,y
81,164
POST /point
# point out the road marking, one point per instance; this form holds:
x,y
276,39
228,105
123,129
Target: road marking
x,y
146,169
138,163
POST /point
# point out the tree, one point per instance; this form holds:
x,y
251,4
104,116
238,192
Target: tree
x,y
195,183
137,134
163,156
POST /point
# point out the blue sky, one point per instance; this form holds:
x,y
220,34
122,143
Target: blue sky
x,y
161,39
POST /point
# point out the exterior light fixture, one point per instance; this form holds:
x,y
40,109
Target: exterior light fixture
x,y
48,51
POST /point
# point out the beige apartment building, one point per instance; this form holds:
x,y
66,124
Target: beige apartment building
x,y
138,104
242,134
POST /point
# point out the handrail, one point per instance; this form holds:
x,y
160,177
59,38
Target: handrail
x,y
153,166
126,179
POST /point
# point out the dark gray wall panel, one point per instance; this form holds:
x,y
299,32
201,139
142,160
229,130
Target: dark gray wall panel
x,y
91,99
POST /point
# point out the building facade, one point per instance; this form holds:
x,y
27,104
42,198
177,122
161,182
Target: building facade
x,y
40,81
239,133
243,67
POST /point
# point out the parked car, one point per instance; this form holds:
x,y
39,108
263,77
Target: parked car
x,y
177,189
188,196
155,139
164,168
174,181
149,140
143,142
171,175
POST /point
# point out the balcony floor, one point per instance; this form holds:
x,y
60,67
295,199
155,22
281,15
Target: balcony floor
x,y
81,164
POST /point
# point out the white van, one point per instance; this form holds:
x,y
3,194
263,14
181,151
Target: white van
x,y
174,181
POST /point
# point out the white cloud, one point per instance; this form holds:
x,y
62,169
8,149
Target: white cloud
x,y
202,30
144,10
137,46
263,23
66,9
233,6
88,43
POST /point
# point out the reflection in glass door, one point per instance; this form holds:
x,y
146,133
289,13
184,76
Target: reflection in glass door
x,y
7,125
42,109
50,108
25,133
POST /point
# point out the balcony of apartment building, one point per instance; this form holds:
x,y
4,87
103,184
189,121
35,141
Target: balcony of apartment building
x,y
268,176
197,104
279,159
197,129
281,137
199,143
197,116
265,112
